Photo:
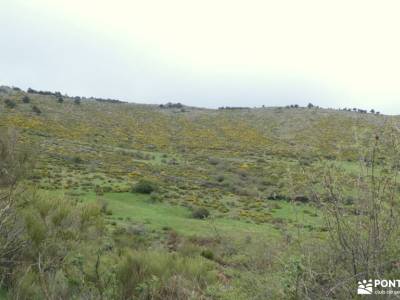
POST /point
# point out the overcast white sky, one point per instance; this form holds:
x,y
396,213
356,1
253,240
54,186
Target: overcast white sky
x,y
207,52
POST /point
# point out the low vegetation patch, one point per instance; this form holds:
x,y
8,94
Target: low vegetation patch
x,y
145,186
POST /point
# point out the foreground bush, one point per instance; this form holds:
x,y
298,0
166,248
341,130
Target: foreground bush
x,y
163,276
362,240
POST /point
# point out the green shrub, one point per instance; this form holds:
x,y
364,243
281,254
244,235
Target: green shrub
x,y
10,103
220,178
104,207
144,186
36,110
77,160
26,99
349,200
200,213
98,190
155,197
107,189
207,254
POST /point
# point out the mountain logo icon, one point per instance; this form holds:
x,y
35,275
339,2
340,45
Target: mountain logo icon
x,y
365,287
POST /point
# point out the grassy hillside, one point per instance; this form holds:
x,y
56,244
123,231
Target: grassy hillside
x,y
230,161
258,172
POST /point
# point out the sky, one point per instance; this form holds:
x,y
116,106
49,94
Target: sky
x,y
208,53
